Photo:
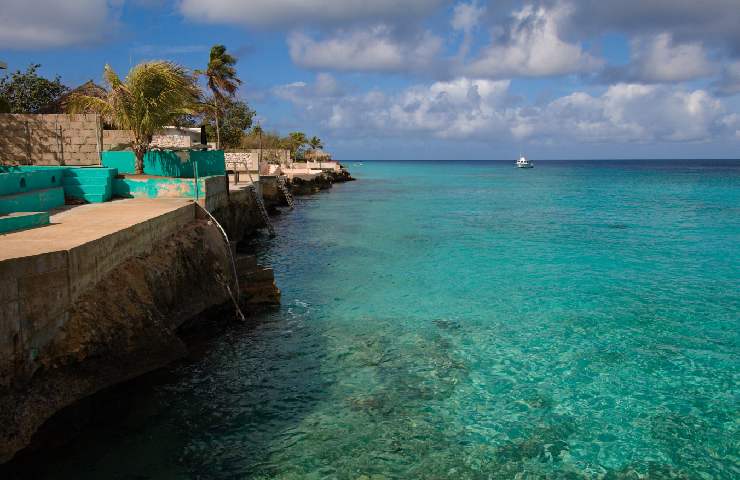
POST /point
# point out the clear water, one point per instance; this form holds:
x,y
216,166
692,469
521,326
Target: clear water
x,y
471,320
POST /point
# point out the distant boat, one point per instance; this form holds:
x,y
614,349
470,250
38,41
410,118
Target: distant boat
x,y
524,163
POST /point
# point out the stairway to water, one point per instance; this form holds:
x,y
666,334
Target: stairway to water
x,y
92,185
285,191
261,209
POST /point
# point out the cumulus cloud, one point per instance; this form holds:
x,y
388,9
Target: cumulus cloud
x,y
631,113
466,16
291,12
709,21
483,109
465,19
532,46
377,48
729,81
658,59
52,23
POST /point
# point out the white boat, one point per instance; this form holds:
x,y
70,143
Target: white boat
x,y
524,163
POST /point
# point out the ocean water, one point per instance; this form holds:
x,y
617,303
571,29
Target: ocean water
x,y
469,320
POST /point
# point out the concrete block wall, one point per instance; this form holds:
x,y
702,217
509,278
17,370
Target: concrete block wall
x,y
169,138
172,141
113,139
50,139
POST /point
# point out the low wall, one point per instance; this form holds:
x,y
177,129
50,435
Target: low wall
x,y
169,163
50,139
209,191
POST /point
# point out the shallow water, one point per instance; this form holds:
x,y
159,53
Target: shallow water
x,y
470,320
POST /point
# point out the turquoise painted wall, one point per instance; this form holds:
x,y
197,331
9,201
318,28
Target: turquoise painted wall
x,y
158,187
32,201
20,180
23,184
169,163
23,221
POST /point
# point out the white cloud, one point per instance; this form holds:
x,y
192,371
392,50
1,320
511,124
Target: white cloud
x,y
482,109
466,16
54,23
303,12
368,49
658,59
729,81
631,113
533,46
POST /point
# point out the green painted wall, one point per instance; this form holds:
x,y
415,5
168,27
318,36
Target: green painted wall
x,y
92,184
33,201
23,221
17,180
158,187
169,163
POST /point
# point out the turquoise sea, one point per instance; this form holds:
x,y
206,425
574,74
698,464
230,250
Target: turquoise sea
x,y
469,320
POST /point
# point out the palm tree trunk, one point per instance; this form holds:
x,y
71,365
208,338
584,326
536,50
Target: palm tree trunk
x,y
139,152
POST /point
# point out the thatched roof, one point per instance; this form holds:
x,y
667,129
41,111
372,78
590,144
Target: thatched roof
x,y
316,154
88,88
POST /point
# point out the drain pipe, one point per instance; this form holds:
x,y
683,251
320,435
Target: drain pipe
x,y
239,313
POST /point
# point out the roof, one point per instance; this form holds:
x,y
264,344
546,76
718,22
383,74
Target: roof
x,y
318,153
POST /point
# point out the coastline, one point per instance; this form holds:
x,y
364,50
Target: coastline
x,y
123,316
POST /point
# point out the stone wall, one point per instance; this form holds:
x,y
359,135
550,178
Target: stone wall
x,y
50,139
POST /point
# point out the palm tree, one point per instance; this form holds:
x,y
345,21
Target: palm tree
x,y
222,81
315,143
153,95
296,141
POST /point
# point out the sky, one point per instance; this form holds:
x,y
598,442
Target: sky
x,y
431,79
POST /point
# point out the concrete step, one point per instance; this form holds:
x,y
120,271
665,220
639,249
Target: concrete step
x,y
74,190
86,181
33,201
90,172
92,197
22,221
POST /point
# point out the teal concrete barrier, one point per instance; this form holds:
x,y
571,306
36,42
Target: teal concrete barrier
x,y
32,201
169,163
91,184
15,180
157,188
22,221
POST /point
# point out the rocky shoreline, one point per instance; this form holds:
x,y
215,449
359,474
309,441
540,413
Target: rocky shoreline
x,y
133,320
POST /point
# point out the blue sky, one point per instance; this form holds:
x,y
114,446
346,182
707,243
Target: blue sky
x,y
431,79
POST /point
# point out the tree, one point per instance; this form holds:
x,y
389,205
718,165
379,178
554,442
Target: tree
x,y
222,81
295,142
27,92
153,95
236,117
315,143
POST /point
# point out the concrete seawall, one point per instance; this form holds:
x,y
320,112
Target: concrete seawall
x,y
98,297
